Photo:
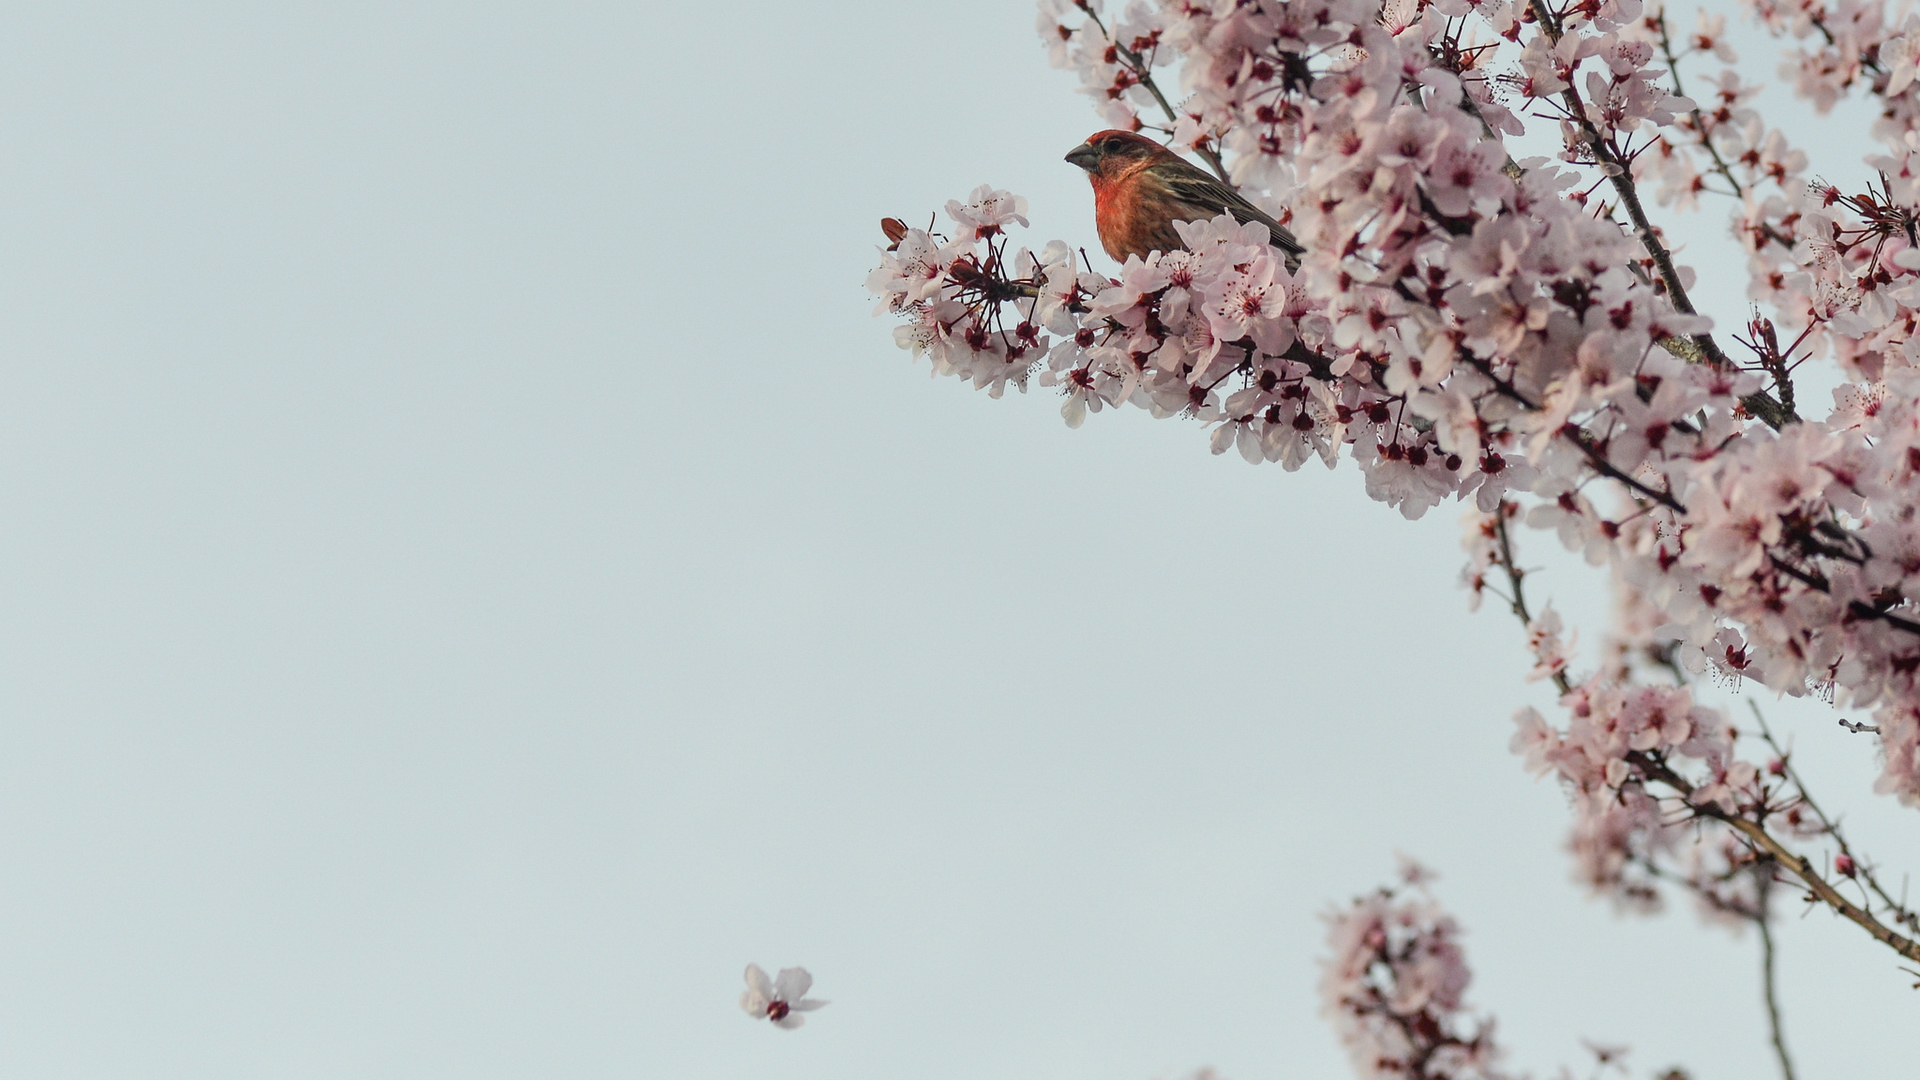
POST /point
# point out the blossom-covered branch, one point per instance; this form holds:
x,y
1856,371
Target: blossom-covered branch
x,y
1471,323
1483,334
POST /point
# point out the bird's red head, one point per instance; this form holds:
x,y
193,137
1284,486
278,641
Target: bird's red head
x,y
1107,154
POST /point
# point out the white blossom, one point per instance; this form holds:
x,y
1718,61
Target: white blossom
x,y
781,999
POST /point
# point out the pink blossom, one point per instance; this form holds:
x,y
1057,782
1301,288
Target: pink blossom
x,y
987,212
1393,986
1464,327
781,999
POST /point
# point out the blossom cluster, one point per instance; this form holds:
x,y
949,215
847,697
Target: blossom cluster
x,y
1394,985
1470,326
1639,763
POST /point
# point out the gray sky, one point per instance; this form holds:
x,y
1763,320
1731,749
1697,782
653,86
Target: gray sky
x,y
473,575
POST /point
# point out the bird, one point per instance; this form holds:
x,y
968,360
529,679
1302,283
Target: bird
x,y
1141,188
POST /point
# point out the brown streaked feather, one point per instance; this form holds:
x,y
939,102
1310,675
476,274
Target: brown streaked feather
x,y
1208,197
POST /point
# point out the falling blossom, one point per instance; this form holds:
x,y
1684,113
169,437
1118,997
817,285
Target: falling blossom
x,y
781,999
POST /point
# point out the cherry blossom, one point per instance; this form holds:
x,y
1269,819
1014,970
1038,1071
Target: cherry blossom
x,y
1495,341
1476,324
781,999
1394,985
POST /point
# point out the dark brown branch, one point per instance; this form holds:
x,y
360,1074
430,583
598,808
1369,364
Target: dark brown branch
x,y
1868,611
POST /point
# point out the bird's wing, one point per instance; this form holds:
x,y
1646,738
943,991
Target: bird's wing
x,y
1189,185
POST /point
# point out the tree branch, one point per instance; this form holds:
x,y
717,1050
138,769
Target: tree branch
x,y
1143,72
1863,868
1699,122
1763,881
1756,834
1517,597
1615,167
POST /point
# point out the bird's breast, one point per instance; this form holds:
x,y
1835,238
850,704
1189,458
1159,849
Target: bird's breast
x,y
1135,216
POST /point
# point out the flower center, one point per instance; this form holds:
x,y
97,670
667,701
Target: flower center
x,y
777,1010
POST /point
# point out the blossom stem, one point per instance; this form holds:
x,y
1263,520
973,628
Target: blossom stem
x,y
1863,868
1699,122
1756,833
1763,877
1138,65
1618,174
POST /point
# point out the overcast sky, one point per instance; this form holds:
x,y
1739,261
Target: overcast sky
x,y
474,574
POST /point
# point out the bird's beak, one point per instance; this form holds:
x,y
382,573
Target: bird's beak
x,y
1084,156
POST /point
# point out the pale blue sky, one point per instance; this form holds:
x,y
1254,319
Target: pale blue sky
x,y
473,575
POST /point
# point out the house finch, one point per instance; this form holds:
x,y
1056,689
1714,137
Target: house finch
x,y
1141,188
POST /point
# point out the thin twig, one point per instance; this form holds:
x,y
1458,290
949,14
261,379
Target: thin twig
x,y
1656,769
1762,917
1699,122
1763,879
1517,596
1862,868
1138,65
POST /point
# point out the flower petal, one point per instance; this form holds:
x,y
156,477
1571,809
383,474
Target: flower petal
x,y
757,981
791,984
